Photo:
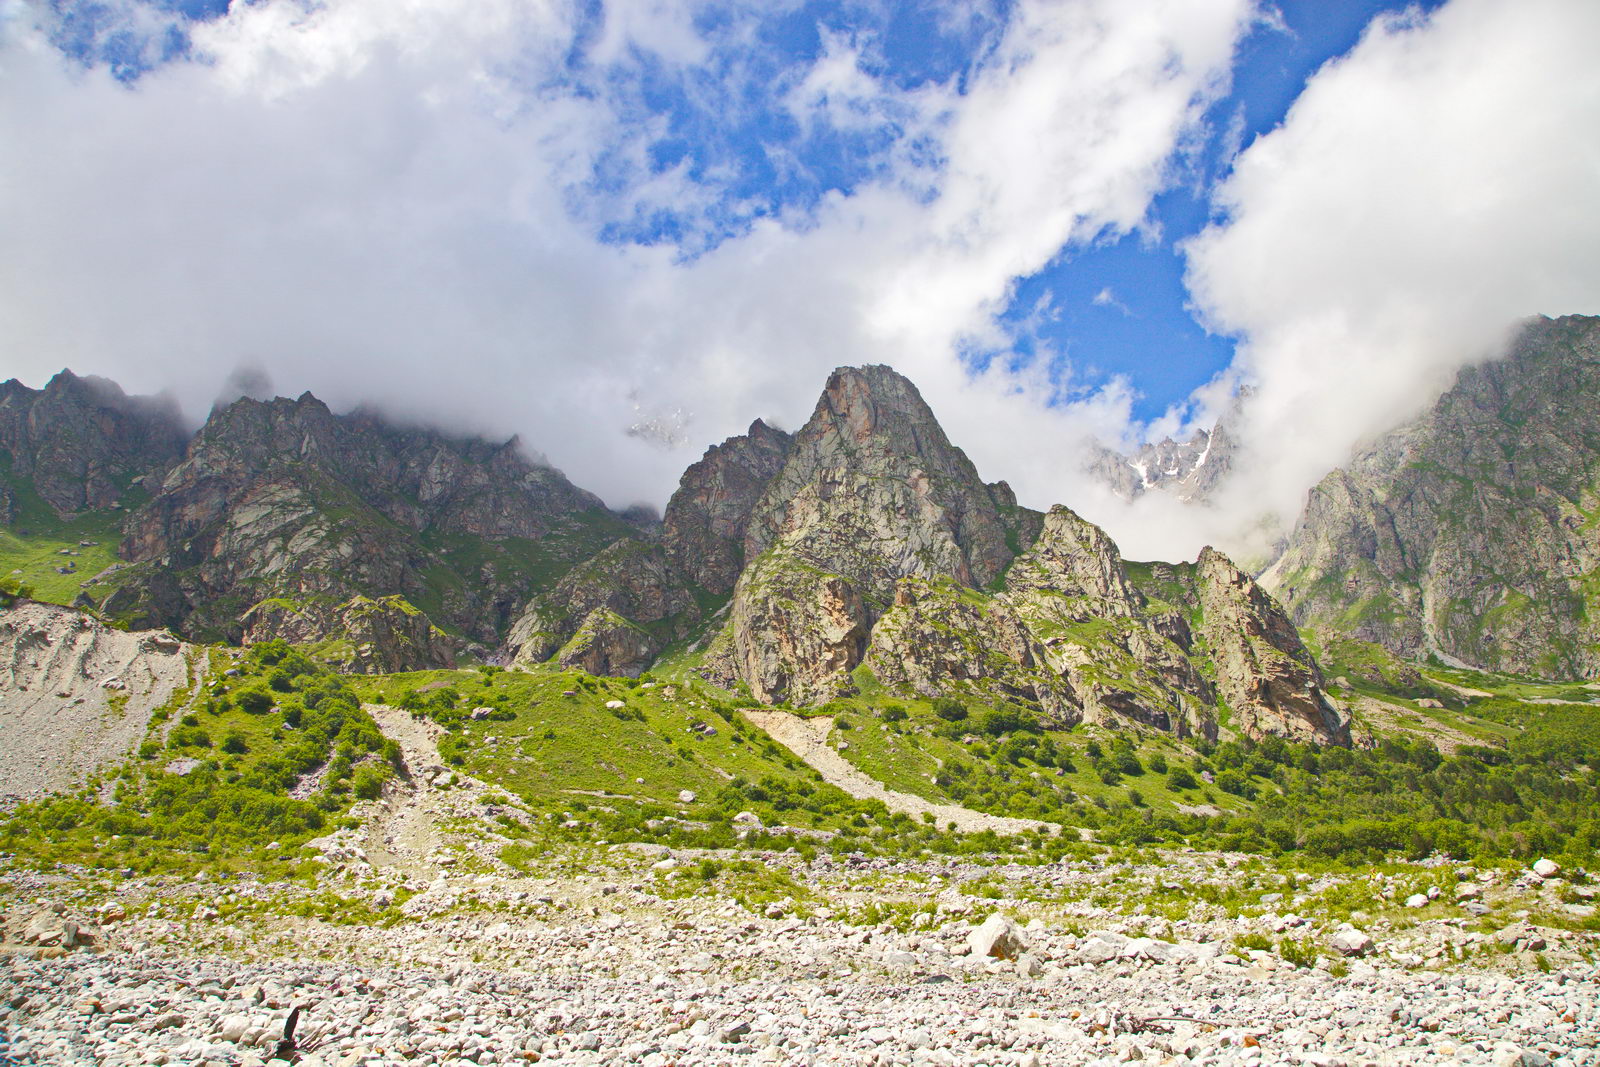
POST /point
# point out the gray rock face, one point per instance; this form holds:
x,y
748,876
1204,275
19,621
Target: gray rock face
x,y
794,632
373,635
705,522
872,492
1264,671
608,644
1469,531
80,441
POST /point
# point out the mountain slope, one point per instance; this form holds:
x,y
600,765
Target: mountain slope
x,y
281,513
1470,532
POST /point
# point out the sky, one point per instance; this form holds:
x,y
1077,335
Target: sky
x,y
623,230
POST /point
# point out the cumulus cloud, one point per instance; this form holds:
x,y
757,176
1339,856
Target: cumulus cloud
x,y
1424,193
408,205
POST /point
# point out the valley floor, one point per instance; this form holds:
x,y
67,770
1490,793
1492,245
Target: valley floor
x,y
624,957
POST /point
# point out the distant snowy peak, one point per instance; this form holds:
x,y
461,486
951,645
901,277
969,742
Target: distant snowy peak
x,y
1188,469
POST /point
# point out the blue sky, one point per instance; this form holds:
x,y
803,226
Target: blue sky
x,y
622,230
1114,305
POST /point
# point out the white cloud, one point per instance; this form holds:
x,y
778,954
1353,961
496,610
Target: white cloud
x,y
394,203
1425,192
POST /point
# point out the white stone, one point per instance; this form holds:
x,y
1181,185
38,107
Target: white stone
x,y
998,937
1351,942
1546,868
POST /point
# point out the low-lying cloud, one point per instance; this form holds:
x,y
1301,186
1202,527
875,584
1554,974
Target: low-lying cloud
x,y
1426,192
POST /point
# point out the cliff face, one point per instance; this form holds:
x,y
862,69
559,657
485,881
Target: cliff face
x,y
627,601
1470,532
873,490
285,501
81,441
704,526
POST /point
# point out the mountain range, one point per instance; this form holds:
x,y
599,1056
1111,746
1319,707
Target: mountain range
x,y
864,550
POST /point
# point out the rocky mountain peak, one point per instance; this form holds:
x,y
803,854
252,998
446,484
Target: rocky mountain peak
x,y
1190,469
1264,671
873,490
285,500
704,525
81,441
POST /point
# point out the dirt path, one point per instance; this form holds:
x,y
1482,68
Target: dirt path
x,y
808,739
404,831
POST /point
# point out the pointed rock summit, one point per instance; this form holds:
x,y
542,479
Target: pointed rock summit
x,y
877,548
873,490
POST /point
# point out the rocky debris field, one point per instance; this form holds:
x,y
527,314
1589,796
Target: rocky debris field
x,y
620,956
76,695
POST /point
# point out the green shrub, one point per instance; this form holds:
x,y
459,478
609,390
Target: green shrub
x,y
253,699
367,782
235,742
949,709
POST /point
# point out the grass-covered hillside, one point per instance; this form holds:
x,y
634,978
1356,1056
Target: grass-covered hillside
x,y
270,752
244,772
56,558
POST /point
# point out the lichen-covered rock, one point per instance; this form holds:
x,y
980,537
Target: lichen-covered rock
x,y
1469,531
81,441
874,491
871,492
1264,670
794,632
631,579
363,635
940,639
608,644
703,528
1121,659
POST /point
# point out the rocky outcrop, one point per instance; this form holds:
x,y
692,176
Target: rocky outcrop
x,y
363,635
940,639
794,632
1469,532
81,442
1264,671
629,579
608,644
703,528
284,499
